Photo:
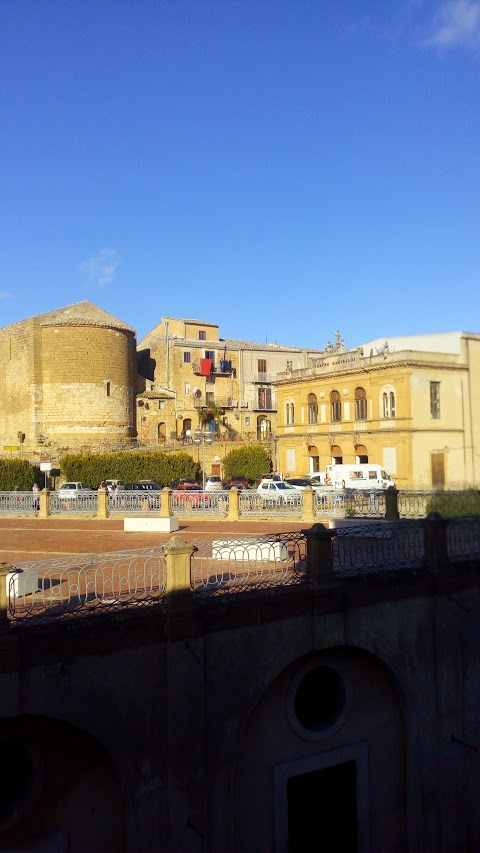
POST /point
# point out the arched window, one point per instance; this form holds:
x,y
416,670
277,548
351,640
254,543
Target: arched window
x,y
335,407
360,404
312,409
388,401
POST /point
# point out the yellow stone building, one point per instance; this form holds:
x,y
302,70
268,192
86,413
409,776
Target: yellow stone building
x,y
410,404
68,380
186,370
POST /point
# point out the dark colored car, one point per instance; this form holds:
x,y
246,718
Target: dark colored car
x,y
238,480
151,489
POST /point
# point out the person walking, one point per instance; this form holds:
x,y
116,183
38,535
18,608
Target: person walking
x,y
36,496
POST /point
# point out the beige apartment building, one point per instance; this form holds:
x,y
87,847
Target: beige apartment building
x,y
188,375
410,404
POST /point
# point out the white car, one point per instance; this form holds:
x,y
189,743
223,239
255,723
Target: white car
x,y
213,483
70,491
279,492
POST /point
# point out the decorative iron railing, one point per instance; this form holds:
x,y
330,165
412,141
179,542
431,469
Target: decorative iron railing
x,y
86,504
379,547
18,503
251,503
128,502
195,503
86,583
463,539
247,563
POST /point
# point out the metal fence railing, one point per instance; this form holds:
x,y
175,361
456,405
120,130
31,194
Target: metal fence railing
x,y
18,503
247,563
86,583
327,503
375,548
100,583
251,503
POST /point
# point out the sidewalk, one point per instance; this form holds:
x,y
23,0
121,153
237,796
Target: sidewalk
x,y
37,539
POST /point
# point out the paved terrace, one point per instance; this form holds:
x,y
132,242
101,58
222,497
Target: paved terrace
x,y
23,539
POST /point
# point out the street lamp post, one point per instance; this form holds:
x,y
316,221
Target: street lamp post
x,y
203,438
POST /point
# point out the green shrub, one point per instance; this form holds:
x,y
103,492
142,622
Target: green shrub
x,y
252,462
162,468
455,504
18,474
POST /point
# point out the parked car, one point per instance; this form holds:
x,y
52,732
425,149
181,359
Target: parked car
x,y
72,491
238,480
302,483
188,483
213,483
279,492
191,496
151,489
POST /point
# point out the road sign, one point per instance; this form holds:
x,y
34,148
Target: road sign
x,y
45,466
11,447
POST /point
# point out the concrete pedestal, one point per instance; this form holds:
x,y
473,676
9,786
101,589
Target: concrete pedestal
x,y
151,525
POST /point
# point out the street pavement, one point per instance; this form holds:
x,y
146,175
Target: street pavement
x,y
24,539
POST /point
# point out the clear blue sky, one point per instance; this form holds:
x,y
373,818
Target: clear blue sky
x,y
282,168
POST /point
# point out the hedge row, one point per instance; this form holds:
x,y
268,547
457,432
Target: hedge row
x,y
455,504
162,468
18,474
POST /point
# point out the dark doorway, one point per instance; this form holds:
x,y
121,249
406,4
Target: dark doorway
x,y
322,810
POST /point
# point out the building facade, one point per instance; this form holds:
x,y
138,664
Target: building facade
x,y
68,379
410,404
189,371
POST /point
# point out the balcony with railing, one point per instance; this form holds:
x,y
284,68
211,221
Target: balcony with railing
x,y
221,368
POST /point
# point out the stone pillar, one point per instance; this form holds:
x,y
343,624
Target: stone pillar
x,y
233,504
435,542
5,569
44,497
166,503
391,505
102,506
308,514
319,556
178,555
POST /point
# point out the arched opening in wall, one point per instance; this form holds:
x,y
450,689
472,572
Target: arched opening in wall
x,y
264,428
318,763
361,454
337,454
53,776
161,433
314,459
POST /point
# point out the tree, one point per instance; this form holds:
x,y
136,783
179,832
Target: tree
x,y
252,462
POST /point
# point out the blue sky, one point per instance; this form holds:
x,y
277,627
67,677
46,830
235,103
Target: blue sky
x,y
281,168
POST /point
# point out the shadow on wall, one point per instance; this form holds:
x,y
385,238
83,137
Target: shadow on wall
x,y
59,789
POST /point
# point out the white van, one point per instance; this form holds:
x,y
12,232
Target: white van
x,y
358,476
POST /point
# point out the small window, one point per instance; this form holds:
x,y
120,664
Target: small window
x,y
335,407
209,353
435,399
161,404
186,357
186,388
202,336
108,389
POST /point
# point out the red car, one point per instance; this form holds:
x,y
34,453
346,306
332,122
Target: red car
x,y
191,495
239,481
